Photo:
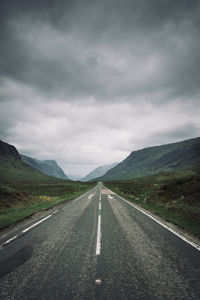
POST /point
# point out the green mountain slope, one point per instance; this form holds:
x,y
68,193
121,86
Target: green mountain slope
x,y
49,167
13,169
24,190
153,160
100,171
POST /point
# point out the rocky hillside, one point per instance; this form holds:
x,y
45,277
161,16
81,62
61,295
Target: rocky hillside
x,y
49,167
8,152
13,169
153,160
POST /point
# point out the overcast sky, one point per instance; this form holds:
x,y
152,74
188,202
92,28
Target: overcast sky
x,y
87,82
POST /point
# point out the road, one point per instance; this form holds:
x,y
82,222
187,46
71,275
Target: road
x,y
97,247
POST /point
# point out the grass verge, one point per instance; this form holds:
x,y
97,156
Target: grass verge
x,y
172,196
16,205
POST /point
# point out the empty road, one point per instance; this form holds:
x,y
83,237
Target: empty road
x,y
97,247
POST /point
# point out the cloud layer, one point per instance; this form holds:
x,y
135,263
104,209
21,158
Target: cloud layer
x,y
87,82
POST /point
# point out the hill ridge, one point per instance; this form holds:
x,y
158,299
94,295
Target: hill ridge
x,y
14,169
152,160
48,167
99,171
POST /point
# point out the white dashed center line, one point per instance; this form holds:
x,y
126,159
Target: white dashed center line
x,y
98,245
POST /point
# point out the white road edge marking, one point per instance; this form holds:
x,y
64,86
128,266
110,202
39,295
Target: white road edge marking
x,y
32,226
165,226
81,196
98,245
55,212
10,240
27,229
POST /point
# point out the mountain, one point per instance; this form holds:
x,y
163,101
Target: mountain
x,y
100,171
74,177
153,160
8,152
49,167
13,169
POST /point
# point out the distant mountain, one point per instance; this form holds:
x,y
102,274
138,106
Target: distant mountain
x,y
8,152
13,169
49,167
100,171
74,177
153,160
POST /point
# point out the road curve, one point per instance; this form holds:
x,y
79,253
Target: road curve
x,y
97,247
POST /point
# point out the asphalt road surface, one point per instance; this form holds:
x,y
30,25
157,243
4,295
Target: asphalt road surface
x,y
97,247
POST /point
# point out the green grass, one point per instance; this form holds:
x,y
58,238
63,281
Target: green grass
x,y
24,190
153,160
174,196
19,200
22,209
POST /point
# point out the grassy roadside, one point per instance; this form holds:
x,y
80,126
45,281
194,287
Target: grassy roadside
x,y
173,196
19,203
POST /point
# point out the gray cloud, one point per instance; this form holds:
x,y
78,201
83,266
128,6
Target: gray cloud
x,y
105,49
86,82
178,133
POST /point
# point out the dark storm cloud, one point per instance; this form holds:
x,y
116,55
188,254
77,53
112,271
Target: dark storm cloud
x,y
182,132
178,133
87,82
106,49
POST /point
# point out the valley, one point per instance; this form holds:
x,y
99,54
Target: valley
x,y
24,190
164,180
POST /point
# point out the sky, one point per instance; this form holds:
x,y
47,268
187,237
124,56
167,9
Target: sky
x,y
88,82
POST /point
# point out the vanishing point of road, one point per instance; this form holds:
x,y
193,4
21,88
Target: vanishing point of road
x,y
97,247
